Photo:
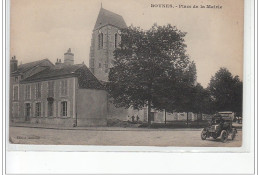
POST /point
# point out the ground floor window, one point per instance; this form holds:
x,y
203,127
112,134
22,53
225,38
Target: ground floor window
x,y
38,109
64,108
50,108
27,111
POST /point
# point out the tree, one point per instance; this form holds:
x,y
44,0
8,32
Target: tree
x,y
149,68
226,91
202,103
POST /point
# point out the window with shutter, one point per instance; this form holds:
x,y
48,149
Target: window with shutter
x,y
27,92
38,90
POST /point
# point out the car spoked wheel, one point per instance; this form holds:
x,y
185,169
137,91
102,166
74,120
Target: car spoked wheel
x,y
203,134
224,136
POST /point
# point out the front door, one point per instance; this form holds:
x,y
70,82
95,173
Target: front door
x,y
27,111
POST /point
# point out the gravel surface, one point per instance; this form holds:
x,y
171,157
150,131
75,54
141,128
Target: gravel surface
x,y
152,137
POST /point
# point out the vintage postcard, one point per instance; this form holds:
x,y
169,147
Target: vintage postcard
x,y
126,72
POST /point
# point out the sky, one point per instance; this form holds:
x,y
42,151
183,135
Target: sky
x,y
47,28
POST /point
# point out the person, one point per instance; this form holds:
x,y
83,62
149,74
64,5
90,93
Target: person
x,y
133,118
221,121
137,118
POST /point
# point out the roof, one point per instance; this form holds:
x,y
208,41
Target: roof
x,y
106,17
28,66
85,78
225,112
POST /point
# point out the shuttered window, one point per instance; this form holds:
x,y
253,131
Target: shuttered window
x,y
38,90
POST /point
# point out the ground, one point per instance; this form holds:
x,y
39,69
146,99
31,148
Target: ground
x,y
117,136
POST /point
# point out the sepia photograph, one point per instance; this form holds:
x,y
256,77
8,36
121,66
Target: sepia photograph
x,y
126,72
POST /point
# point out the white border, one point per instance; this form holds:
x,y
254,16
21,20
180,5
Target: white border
x,y
184,160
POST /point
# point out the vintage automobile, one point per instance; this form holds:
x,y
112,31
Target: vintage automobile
x,y
219,127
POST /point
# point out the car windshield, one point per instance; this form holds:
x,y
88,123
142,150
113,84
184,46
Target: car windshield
x,y
215,121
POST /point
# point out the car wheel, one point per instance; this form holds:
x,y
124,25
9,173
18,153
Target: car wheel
x,y
203,134
223,136
233,135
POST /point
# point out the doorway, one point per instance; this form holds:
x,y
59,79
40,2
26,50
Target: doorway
x,y
27,111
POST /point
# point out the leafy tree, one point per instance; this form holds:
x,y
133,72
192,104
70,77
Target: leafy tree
x,y
202,102
149,68
226,91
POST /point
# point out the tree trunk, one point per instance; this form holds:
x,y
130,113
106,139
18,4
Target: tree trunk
x,y
165,117
149,113
187,119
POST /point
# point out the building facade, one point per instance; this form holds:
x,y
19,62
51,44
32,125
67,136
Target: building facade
x,y
65,94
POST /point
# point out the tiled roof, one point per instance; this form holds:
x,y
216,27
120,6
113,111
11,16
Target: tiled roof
x,y
28,66
106,17
85,78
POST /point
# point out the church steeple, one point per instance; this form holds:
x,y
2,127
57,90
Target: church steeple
x,y
105,38
106,17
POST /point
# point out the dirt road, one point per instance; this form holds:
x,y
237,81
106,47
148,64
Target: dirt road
x,y
140,137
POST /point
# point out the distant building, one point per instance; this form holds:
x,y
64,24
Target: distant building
x,y
61,94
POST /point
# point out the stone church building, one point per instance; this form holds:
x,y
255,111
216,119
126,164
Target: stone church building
x,y
69,94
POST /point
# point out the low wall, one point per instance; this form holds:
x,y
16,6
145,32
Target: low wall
x,y
92,122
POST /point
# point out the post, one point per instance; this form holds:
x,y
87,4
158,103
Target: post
x,y
165,116
149,113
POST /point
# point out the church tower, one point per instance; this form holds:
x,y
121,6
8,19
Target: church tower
x,y
105,38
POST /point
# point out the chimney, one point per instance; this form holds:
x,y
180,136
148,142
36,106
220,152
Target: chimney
x,y
68,57
58,63
13,64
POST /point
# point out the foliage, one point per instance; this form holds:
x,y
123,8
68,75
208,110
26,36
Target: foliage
x,y
226,91
150,68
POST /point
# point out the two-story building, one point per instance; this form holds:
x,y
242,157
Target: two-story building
x,y
64,94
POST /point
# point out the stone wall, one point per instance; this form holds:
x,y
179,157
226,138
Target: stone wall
x,y
91,107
